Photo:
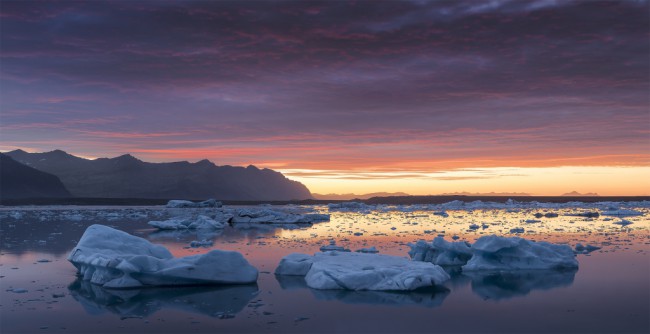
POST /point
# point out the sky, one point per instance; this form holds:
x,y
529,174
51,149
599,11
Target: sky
x,y
424,97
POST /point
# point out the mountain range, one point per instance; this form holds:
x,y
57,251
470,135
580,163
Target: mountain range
x,y
575,193
21,181
128,177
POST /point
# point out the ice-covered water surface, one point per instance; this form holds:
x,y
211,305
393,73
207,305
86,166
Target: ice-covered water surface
x,y
609,293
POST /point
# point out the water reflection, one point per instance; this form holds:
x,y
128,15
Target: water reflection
x,y
506,285
422,297
212,301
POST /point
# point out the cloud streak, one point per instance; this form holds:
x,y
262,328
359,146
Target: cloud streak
x,y
352,86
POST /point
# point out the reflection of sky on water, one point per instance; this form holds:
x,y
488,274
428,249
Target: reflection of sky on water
x,y
608,293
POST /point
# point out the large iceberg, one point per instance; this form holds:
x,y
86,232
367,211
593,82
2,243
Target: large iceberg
x,y
116,259
177,203
495,253
359,271
501,253
441,252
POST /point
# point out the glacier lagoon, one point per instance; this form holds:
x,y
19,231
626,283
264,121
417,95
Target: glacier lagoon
x,y
40,291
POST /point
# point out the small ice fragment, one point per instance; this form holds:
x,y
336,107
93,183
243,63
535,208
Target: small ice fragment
x,y
624,222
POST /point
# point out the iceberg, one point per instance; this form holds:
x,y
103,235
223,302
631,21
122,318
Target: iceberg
x,y
266,216
361,271
441,252
495,253
177,203
501,253
116,259
182,223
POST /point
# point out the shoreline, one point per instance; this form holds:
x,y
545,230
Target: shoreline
x,y
390,200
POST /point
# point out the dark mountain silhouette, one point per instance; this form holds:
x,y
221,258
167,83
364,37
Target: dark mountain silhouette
x,y
575,193
20,181
127,177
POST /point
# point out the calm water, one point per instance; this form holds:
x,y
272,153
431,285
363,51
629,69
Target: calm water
x,y
609,293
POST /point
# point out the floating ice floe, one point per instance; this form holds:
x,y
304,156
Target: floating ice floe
x,y
183,223
441,252
621,212
587,214
624,222
359,271
582,249
501,253
547,215
177,203
266,216
333,247
495,253
371,250
441,213
116,259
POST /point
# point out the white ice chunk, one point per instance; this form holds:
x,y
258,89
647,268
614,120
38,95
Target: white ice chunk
x,y
441,252
294,264
501,253
116,259
360,271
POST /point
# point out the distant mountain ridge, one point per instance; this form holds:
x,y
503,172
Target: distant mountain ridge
x,y
355,196
575,193
20,181
465,193
128,177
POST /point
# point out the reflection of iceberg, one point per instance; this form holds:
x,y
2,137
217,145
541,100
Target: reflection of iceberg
x,y
509,284
212,301
431,297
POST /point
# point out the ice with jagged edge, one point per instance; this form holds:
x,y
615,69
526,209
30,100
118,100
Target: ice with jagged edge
x,y
116,259
495,253
501,253
441,252
360,271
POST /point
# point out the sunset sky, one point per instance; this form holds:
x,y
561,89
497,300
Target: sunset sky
x,y
542,96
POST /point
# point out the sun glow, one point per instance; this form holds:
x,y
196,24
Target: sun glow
x,y
550,181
